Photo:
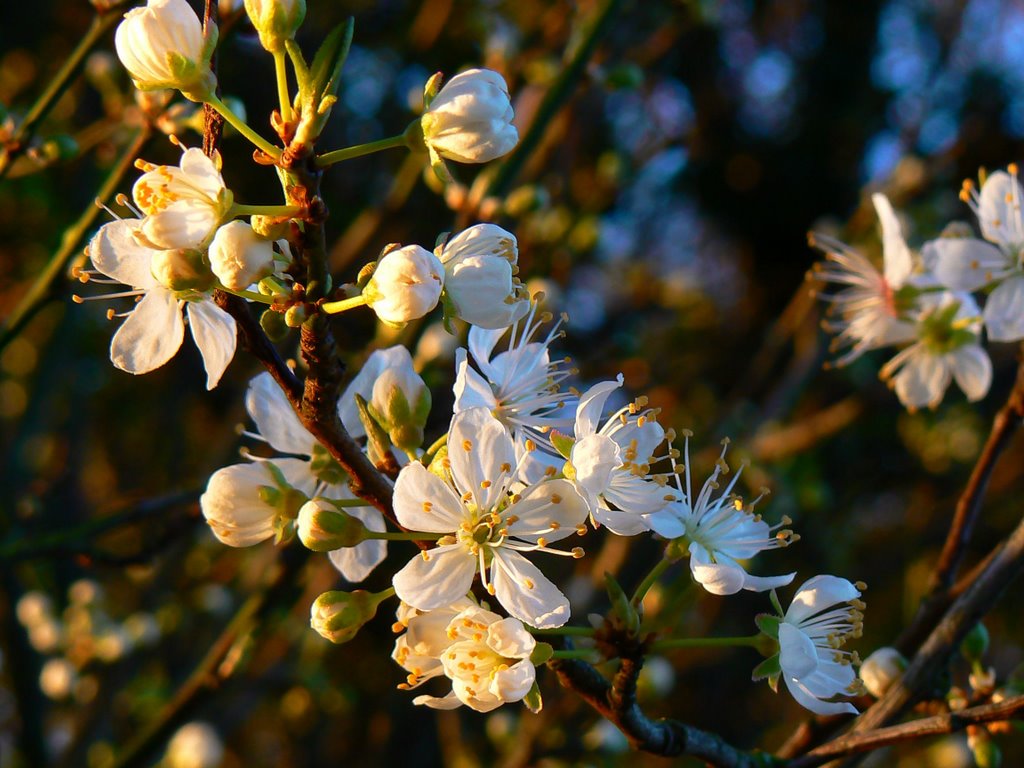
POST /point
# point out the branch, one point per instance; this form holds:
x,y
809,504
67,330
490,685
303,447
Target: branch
x,y
667,738
1004,426
950,722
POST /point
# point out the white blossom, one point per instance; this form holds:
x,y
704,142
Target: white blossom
x,y
183,204
154,330
480,264
870,311
405,286
239,257
811,636
195,745
722,531
487,527
486,657
947,348
162,46
967,264
881,669
470,119
610,463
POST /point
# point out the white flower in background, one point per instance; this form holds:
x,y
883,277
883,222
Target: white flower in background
x,y
183,204
195,745
967,264
405,285
263,497
480,264
383,370
418,650
153,331
488,528
881,669
162,46
610,464
275,20
239,257
869,311
521,386
470,119
486,657
811,637
947,348
724,530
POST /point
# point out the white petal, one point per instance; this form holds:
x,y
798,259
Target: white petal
x,y
434,702
591,406
634,494
819,707
525,592
550,504
999,212
716,578
510,639
964,263
972,370
765,583
481,344
923,380
896,254
595,458
202,172
818,593
214,332
416,488
797,653
184,223
356,563
619,522
438,581
665,522
514,683
151,334
1004,311
116,253
471,390
392,357
275,419
232,505
479,447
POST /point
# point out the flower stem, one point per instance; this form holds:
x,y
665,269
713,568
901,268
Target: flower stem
x,y
330,158
334,307
282,85
249,295
242,127
649,580
585,655
752,641
435,446
350,503
279,211
403,536
565,631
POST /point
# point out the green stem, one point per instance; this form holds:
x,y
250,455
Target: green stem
x,y
435,446
279,211
403,536
242,127
38,294
249,295
565,631
753,641
334,307
282,85
330,158
42,106
350,503
649,580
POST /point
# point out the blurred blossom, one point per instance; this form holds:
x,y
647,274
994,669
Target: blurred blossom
x,y
57,678
195,745
366,80
84,592
33,608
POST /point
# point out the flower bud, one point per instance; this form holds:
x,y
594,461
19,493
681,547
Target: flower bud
x,y
239,257
338,616
470,118
181,270
405,286
162,46
975,644
480,263
324,528
401,404
270,227
881,669
275,20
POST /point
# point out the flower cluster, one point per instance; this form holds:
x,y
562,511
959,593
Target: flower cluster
x,y
927,301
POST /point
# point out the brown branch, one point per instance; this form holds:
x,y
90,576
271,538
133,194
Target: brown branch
x,y
950,722
1004,426
617,702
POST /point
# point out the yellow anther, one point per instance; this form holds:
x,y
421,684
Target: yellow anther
x,y
467,444
577,552
556,499
506,467
860,585
541,541
428,506
530,445
485,484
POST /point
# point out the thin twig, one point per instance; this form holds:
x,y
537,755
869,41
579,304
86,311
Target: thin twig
x,y
617,702
929,726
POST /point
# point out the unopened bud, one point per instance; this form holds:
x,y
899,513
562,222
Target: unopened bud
x,y
239,256
881,669
975,644
273,325
338,616
406,284
275,20
296,315
400,404
324,528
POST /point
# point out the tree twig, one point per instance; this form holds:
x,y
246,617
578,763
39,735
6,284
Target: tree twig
x,y
950,722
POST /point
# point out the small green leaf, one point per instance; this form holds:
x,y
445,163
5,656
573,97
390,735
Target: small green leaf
x,y
766,669
563,443
768,624
622,608
542,653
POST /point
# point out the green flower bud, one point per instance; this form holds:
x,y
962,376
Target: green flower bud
x,y
323,527
275,20
338,616
975,644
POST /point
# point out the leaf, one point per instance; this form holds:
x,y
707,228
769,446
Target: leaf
x,y
768,624
766,669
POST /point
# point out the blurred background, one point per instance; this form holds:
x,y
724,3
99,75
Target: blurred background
x,y
666,209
